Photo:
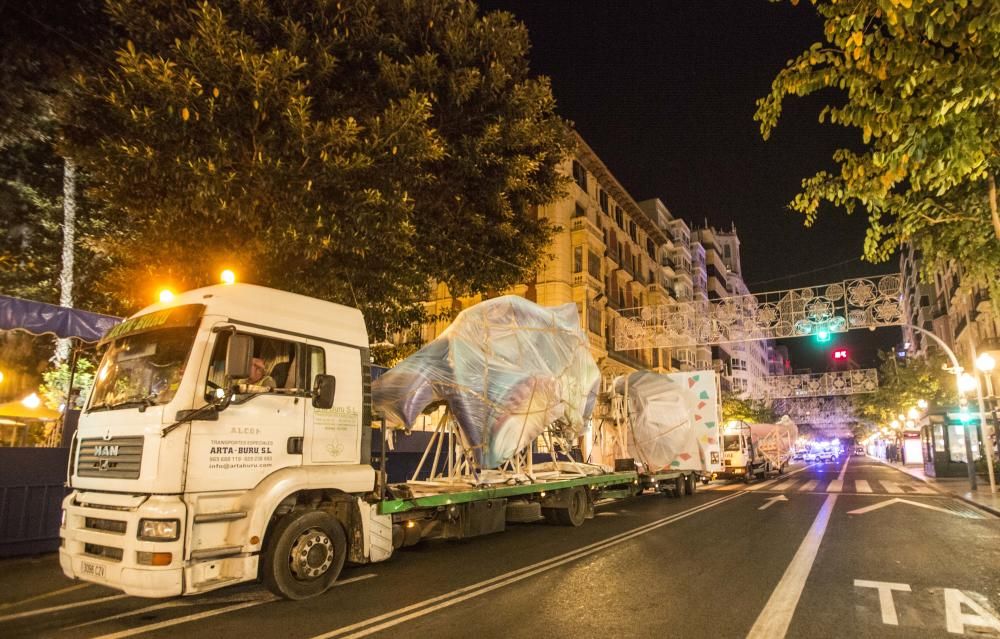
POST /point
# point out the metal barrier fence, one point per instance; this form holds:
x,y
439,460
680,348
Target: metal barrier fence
x,y
32,487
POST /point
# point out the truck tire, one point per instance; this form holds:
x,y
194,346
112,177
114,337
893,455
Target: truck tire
x,y
678,487
305,554
691,484
748,476
572,515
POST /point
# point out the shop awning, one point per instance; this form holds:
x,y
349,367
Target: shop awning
x,y
39,318
18,411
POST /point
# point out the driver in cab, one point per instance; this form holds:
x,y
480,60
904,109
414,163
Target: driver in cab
x,y
258,382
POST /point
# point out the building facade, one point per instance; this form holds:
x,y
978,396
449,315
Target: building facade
x,y
615,255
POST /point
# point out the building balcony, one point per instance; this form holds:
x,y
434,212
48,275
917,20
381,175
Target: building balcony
x,y
586,279
586,224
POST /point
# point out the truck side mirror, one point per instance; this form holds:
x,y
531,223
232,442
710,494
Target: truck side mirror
x,y
238,356
326,388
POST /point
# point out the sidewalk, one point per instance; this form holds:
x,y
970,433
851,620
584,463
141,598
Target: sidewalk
x,y
956,486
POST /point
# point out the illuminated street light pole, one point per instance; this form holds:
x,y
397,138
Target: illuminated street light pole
x,y
985,364
957,369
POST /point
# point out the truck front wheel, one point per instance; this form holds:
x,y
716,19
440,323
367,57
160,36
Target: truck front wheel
x,y
305,554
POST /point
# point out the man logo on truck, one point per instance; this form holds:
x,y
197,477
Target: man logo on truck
x,y
106,451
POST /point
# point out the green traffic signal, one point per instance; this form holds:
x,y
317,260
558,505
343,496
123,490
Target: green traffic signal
x,y
823,336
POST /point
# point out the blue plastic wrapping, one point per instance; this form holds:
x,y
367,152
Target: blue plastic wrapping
x,y
506,368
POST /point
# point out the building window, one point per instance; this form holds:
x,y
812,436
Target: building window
x,y
594,265
579,211
619,218
603,198
633,231
578,259
580,175
726,252
651,249
594,318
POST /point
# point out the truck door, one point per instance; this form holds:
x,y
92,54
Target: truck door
x,y
256,434
333,436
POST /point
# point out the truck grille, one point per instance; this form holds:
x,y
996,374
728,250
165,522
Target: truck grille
x,y
105,525
105,552
118,457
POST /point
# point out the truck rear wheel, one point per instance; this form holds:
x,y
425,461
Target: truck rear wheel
x,y
691,482
305,554
574,514
748,476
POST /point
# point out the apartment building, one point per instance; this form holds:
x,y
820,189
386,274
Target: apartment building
x,y
615,255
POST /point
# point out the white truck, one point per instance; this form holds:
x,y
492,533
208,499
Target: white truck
x,y
754,450
191,471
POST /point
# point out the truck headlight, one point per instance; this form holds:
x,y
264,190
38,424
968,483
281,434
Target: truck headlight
x,y
159,529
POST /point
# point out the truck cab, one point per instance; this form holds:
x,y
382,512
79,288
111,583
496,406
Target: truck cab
x,y
191,471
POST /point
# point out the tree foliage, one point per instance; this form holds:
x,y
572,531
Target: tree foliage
x,y
352,151
903,384
752,411
55,381
920,80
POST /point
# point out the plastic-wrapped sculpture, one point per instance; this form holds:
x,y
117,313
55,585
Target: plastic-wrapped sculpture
x,y
662,433
506,368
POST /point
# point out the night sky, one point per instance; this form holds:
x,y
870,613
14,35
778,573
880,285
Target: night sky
x,y
665,92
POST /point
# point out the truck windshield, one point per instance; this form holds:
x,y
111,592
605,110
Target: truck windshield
x,y
731,442
142,370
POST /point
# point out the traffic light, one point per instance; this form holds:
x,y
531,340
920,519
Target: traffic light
x,y
840,353
963,410
823,336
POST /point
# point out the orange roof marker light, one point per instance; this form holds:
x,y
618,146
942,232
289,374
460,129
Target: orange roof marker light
x,y
166,296
228,277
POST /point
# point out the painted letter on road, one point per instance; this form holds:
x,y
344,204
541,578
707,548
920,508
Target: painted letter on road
x,y
957,620
885,601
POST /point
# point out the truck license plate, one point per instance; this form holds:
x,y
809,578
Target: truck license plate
x,y
94,570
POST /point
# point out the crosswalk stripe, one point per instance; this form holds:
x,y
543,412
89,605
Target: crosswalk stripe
x,y
924,490
862,486
785,485
809,485
836,486
891,486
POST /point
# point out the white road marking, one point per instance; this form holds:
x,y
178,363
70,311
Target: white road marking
x,y
809,486
45,595
770,501
179,620
75,604
210,613
862,486
836,486
459,595
924,490
885,601
956,620
785,485
773,621
892,487
843,470
897,500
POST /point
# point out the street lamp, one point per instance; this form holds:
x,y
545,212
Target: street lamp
x,y
922,404
913,413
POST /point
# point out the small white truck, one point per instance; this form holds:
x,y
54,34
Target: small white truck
x,y
755,450
191,471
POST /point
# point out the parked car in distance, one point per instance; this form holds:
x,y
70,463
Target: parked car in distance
x,y
859,451
826,455
809,457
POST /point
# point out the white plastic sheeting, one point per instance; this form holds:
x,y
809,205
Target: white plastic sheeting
x,y
661,418
507,369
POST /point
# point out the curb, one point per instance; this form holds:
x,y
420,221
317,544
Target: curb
x,y
989,509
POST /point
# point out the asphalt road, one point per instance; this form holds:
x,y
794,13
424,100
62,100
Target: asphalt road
x,y
825,551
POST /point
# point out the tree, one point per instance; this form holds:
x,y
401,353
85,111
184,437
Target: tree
x,y
349,151
55,381
902,385
752,411
921,82
42,45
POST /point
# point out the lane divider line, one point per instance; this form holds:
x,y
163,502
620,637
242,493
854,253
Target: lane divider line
x,y
212,613
774,619
75,604
44,595
421,608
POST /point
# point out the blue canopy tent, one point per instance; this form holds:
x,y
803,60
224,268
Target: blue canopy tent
x,y
39,318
